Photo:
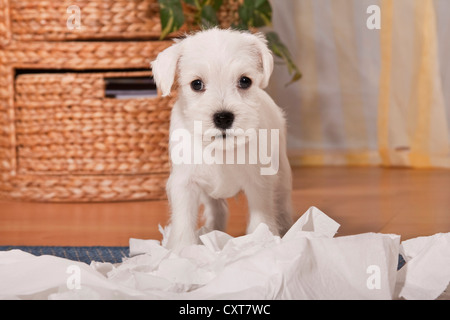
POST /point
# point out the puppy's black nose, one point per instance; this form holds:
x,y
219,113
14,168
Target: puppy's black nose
x,y
223,120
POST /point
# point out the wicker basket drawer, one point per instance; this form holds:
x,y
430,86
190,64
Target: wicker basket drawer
x,y
99,19
65,124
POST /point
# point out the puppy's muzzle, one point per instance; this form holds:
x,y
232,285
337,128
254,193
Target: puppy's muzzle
x,y
223,120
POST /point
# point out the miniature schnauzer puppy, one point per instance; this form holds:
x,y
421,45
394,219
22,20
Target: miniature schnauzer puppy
x,y
223,113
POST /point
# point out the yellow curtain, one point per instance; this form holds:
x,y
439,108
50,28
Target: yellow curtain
x,y
368,96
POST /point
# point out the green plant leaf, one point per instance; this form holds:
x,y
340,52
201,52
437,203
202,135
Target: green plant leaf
x,y
209,16
216,4
280,50
171,15
255,13
194,3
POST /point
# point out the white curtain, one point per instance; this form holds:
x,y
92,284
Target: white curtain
x,y
367,96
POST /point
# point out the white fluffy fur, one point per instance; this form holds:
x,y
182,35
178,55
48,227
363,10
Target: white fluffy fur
x,y
220,58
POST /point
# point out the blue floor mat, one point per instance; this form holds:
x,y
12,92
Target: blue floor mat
x,y
82,254
99,254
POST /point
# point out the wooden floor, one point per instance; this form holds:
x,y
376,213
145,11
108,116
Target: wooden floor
x,y
407,202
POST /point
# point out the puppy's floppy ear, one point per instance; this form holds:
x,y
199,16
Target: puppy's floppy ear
x,y
165,67
266,59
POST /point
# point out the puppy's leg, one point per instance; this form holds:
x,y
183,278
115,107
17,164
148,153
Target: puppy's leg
x,y
184,202
283,211
283,197
215,213
260,200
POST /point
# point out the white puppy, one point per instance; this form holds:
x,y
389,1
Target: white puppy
x,y
221,108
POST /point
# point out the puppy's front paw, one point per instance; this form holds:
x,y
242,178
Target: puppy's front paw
x,y
178,240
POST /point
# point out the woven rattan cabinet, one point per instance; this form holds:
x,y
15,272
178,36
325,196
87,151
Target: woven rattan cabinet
x,y
61,138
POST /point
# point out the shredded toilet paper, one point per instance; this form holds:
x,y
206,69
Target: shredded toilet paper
x,y
307,263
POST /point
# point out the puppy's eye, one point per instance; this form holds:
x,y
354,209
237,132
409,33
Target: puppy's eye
x,y
244,82
197,85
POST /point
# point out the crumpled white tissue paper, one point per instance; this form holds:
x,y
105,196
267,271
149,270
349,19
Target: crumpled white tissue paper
x,y
427,271
307,263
